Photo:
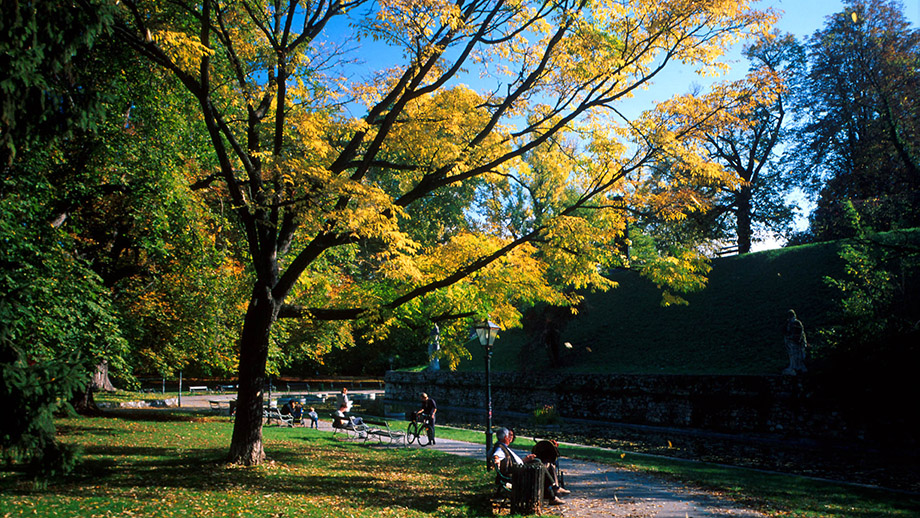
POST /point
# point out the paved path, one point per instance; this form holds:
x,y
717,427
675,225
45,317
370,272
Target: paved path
x,y
600,490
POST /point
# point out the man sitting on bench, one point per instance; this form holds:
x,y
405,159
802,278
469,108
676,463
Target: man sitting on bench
x,y
504,457
341,420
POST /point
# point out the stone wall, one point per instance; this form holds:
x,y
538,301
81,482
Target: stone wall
x,y
771,405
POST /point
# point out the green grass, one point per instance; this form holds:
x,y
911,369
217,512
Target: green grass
x,y
121,396
150,463
160,463
733,326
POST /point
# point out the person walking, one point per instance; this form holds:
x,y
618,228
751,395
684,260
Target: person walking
x,y
314,418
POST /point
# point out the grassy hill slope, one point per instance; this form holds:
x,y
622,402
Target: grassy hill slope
x,y
734,326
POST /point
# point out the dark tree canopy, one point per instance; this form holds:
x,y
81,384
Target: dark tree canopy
x,y
861,138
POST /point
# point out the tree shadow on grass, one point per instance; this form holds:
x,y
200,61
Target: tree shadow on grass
x,y
315,465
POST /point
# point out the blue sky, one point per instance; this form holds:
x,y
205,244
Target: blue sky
x,y
803,17
799,17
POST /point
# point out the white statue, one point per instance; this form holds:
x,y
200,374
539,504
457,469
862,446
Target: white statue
x,y
434,345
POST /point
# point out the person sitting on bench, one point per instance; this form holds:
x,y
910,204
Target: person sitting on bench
x,y
504,457
341,420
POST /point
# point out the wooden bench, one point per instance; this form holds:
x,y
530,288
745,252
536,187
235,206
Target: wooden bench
x,y
199,388
381,429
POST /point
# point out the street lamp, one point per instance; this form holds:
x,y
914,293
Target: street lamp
x,y
487,331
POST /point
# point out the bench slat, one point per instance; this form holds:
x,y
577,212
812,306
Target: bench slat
x,y
385,431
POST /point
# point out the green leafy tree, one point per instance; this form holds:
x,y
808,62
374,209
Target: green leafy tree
x,y
56,320
104,241
122,192
56,324
859,140
41,51
877,330
878,306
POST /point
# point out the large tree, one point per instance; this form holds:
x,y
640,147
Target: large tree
x,y
56,319
327,202
859,141
753,150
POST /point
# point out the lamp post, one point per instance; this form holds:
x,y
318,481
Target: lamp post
x,y
487,331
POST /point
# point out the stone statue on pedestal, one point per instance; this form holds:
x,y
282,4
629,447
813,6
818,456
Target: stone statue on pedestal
x,y
794,337
434,345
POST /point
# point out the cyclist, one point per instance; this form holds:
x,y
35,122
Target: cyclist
x,y
429,409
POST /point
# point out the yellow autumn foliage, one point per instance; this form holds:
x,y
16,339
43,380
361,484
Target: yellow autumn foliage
x,y
477,165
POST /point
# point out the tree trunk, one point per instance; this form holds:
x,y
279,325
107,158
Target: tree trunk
x,y
101,379
246,444
743,219
84,403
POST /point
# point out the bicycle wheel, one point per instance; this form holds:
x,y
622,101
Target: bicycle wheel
x,y
411,432
423,434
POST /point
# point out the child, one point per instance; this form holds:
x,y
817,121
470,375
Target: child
x,y
297,413
314,418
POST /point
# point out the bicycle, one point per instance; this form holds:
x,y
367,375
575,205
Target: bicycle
x,y
419,430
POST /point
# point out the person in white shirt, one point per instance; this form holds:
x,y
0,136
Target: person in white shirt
x,y
503,457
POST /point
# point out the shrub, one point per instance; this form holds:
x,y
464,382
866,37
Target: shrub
x,y
546,416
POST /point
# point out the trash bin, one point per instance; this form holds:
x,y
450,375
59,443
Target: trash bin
x,y
527,488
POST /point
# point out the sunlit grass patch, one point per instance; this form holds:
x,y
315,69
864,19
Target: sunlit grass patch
x,y
136,466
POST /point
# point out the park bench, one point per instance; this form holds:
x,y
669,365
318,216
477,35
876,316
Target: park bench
x,y
272,413
295,387
349,428
199,388
381,429
220,407
226,388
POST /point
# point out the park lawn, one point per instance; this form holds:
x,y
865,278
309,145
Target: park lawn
x,y
123,396
154,463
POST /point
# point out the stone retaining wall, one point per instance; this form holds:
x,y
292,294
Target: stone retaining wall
x,y
772,405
